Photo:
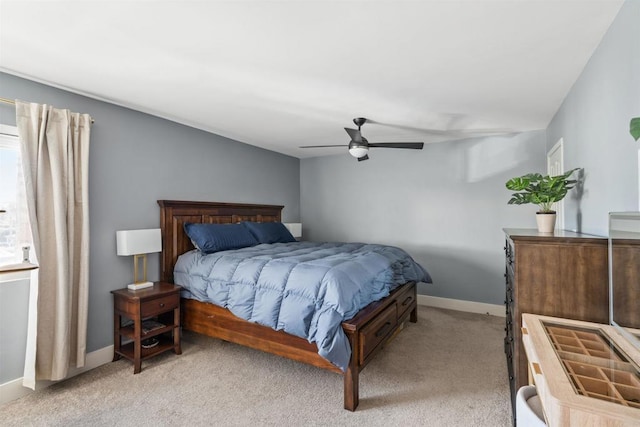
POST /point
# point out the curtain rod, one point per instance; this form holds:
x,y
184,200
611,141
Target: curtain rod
x,y
12,102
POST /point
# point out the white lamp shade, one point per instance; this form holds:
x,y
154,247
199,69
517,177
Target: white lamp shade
x,y
358,152
135,242
295,228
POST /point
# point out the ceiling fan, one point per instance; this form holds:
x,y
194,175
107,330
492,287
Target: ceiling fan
x,y
359,146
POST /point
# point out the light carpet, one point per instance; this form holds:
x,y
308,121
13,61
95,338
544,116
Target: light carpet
x,y
448,369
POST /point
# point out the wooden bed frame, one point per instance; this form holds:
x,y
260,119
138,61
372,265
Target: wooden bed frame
x,y
368,331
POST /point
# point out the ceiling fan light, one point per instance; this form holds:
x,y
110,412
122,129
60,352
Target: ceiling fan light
x,y
358,152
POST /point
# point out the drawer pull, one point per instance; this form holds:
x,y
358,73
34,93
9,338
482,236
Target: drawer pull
x,y
407,301
383,329
161,304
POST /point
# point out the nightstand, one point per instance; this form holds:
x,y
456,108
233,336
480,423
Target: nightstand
x,y
160,303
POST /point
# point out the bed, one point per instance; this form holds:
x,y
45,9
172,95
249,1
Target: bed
x,y
366,332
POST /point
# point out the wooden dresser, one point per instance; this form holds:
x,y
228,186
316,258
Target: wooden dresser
x,y
561,275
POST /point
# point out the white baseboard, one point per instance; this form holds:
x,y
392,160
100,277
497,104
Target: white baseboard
x,y
461,305
12,390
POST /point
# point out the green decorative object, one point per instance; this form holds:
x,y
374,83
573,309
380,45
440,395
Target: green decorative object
x,y
541,190
634,128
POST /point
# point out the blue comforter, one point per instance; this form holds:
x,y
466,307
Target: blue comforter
x,y
306,289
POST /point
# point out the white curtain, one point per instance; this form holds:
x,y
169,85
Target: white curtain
x,y
55,160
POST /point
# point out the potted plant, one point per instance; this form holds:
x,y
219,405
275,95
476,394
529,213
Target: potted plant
x,y
544,191
634,128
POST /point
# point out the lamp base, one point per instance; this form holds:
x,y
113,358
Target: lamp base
x,y
138,286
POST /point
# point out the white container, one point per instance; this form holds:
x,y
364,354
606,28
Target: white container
x,y
546,222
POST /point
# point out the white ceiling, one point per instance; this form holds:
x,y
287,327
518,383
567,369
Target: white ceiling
x,y
280,74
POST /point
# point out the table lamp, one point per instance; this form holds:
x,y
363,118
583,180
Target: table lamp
x,y
139,243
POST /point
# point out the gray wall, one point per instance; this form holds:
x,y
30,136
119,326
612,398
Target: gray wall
x,y
446,205
136,159
594,124
14,299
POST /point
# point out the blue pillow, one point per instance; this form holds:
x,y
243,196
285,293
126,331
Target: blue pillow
x,y
209,238
269,232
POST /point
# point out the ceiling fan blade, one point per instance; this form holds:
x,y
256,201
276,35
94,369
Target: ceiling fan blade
x,y
354,134
322,146
363,158
411,145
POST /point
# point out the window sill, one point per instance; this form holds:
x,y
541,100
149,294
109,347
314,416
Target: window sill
x,y
13,268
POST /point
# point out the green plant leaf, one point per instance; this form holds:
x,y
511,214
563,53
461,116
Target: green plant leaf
x,y
634,128
541,190
518,184
519,199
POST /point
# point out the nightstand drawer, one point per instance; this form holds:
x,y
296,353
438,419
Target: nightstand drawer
x,y
159,305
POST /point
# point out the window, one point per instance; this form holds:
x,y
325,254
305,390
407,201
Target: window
x,y
15,233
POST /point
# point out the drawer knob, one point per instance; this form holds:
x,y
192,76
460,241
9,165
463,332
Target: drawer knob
x,y
407,301
161,304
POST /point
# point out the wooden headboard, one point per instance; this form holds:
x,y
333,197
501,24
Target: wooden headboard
x,y
174,213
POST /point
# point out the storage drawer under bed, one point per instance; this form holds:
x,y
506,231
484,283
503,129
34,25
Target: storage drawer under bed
x,y
406,300
376,331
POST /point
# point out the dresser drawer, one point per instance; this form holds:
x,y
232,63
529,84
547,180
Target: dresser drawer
x,y
406,300
159,305
376,331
